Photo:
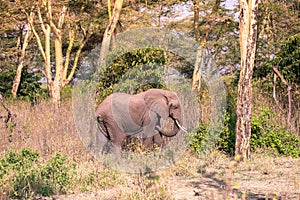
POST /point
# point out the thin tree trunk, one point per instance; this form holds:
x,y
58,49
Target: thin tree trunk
x,y
274,92
289,88
109,9
196,84
197,74
17,78
109,31
9,117
68,53
58,72
248,35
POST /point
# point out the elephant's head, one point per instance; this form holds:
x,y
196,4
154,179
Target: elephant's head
x,y
167,106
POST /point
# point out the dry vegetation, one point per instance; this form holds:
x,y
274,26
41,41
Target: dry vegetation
x,y
214,176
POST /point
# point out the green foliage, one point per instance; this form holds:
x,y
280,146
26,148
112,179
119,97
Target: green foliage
x,y
56,174
197,137
29,88
226,141
22,175
287,62
277,21
6,81
132,72
266,135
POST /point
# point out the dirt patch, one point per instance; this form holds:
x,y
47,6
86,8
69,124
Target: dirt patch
x,y
262,178
217,178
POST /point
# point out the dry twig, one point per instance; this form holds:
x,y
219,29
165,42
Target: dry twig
x,y
9,117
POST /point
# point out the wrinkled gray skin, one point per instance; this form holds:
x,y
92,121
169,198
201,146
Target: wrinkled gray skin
x,y
121,115
157,139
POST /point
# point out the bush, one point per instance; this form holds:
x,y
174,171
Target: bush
x,y
276,138
264,135
225,141
197,138
22,175
132,73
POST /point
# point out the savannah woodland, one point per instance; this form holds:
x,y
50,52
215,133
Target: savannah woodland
x,y
249,150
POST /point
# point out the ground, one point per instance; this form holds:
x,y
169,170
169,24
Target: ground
x,y
218,177
213,176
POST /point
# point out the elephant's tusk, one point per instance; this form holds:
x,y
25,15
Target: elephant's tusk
x,y
181,127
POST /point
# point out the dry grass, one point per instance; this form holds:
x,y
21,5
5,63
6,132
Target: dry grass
x,y
40,128
214,176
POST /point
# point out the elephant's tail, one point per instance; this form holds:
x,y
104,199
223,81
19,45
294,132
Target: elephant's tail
x,y
102,127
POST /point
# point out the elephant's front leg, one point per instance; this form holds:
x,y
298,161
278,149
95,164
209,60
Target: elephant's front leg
x,y
159,140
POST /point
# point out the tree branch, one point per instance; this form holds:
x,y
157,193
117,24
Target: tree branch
x,y
82,44
38,39
274,93
289,88
68,53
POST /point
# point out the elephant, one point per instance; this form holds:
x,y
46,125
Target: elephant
x,y
121,115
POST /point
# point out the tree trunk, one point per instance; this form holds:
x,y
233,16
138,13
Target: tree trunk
x,y
248,35
58,72
196,84
48,71
17,78
197,74
111,27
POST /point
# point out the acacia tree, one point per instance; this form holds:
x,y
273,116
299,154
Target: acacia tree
x,y
52,23
248,36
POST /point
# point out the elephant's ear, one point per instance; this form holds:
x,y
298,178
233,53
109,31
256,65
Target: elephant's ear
x,y
157,101
172,99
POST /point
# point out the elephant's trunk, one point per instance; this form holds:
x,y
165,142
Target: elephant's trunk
x,y
173,131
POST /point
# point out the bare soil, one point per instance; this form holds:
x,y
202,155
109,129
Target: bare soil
x,y
217,177
271,178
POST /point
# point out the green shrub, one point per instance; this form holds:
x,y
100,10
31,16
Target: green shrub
x,y
226,140
267,135
132,72
197,138
22,175
16,174
56,175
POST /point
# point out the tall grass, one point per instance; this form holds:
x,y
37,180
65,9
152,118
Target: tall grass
x,y
40,128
